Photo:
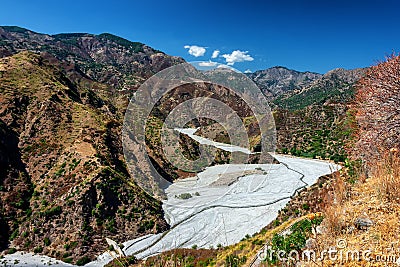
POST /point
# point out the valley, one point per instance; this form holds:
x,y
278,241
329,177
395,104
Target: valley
x,y
213,214
67,181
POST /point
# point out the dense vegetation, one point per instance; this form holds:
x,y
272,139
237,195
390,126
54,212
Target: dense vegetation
x,y
294,241
314,96
135,46
315,132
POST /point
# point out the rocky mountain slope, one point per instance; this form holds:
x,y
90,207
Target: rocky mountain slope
x,y
318,131
336,86
280,80
64,185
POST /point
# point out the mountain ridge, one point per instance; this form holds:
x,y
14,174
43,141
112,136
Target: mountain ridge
x,y
124,65
279,80
335,86
106,58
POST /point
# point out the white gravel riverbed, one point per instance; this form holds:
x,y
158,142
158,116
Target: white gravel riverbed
x,y
227,202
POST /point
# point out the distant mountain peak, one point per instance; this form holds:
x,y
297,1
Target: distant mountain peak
x,y
16,29
335,86
279,80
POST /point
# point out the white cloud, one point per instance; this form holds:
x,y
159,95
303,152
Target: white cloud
x,y
215,54
208,64
237,56
195,50
247,71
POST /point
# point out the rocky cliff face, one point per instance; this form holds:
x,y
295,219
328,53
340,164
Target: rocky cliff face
x,y
64,184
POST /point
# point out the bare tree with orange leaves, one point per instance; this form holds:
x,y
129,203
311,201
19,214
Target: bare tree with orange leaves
x,y
378,111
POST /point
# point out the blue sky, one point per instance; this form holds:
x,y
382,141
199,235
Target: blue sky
x,y
302,35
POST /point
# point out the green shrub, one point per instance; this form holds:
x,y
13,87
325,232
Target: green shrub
x,y
82,261
28,212
74,164
110,225
67,260
11,251
184,196
257,242
46,241
131,259
60,172
296,240
27,244
38,249
14,234
146,225
72,245
53,211
234,260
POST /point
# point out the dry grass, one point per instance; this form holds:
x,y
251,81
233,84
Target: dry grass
x,y
333,205
388,172
179,258
378,199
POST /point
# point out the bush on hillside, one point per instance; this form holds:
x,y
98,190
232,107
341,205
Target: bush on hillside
x,y
378,113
